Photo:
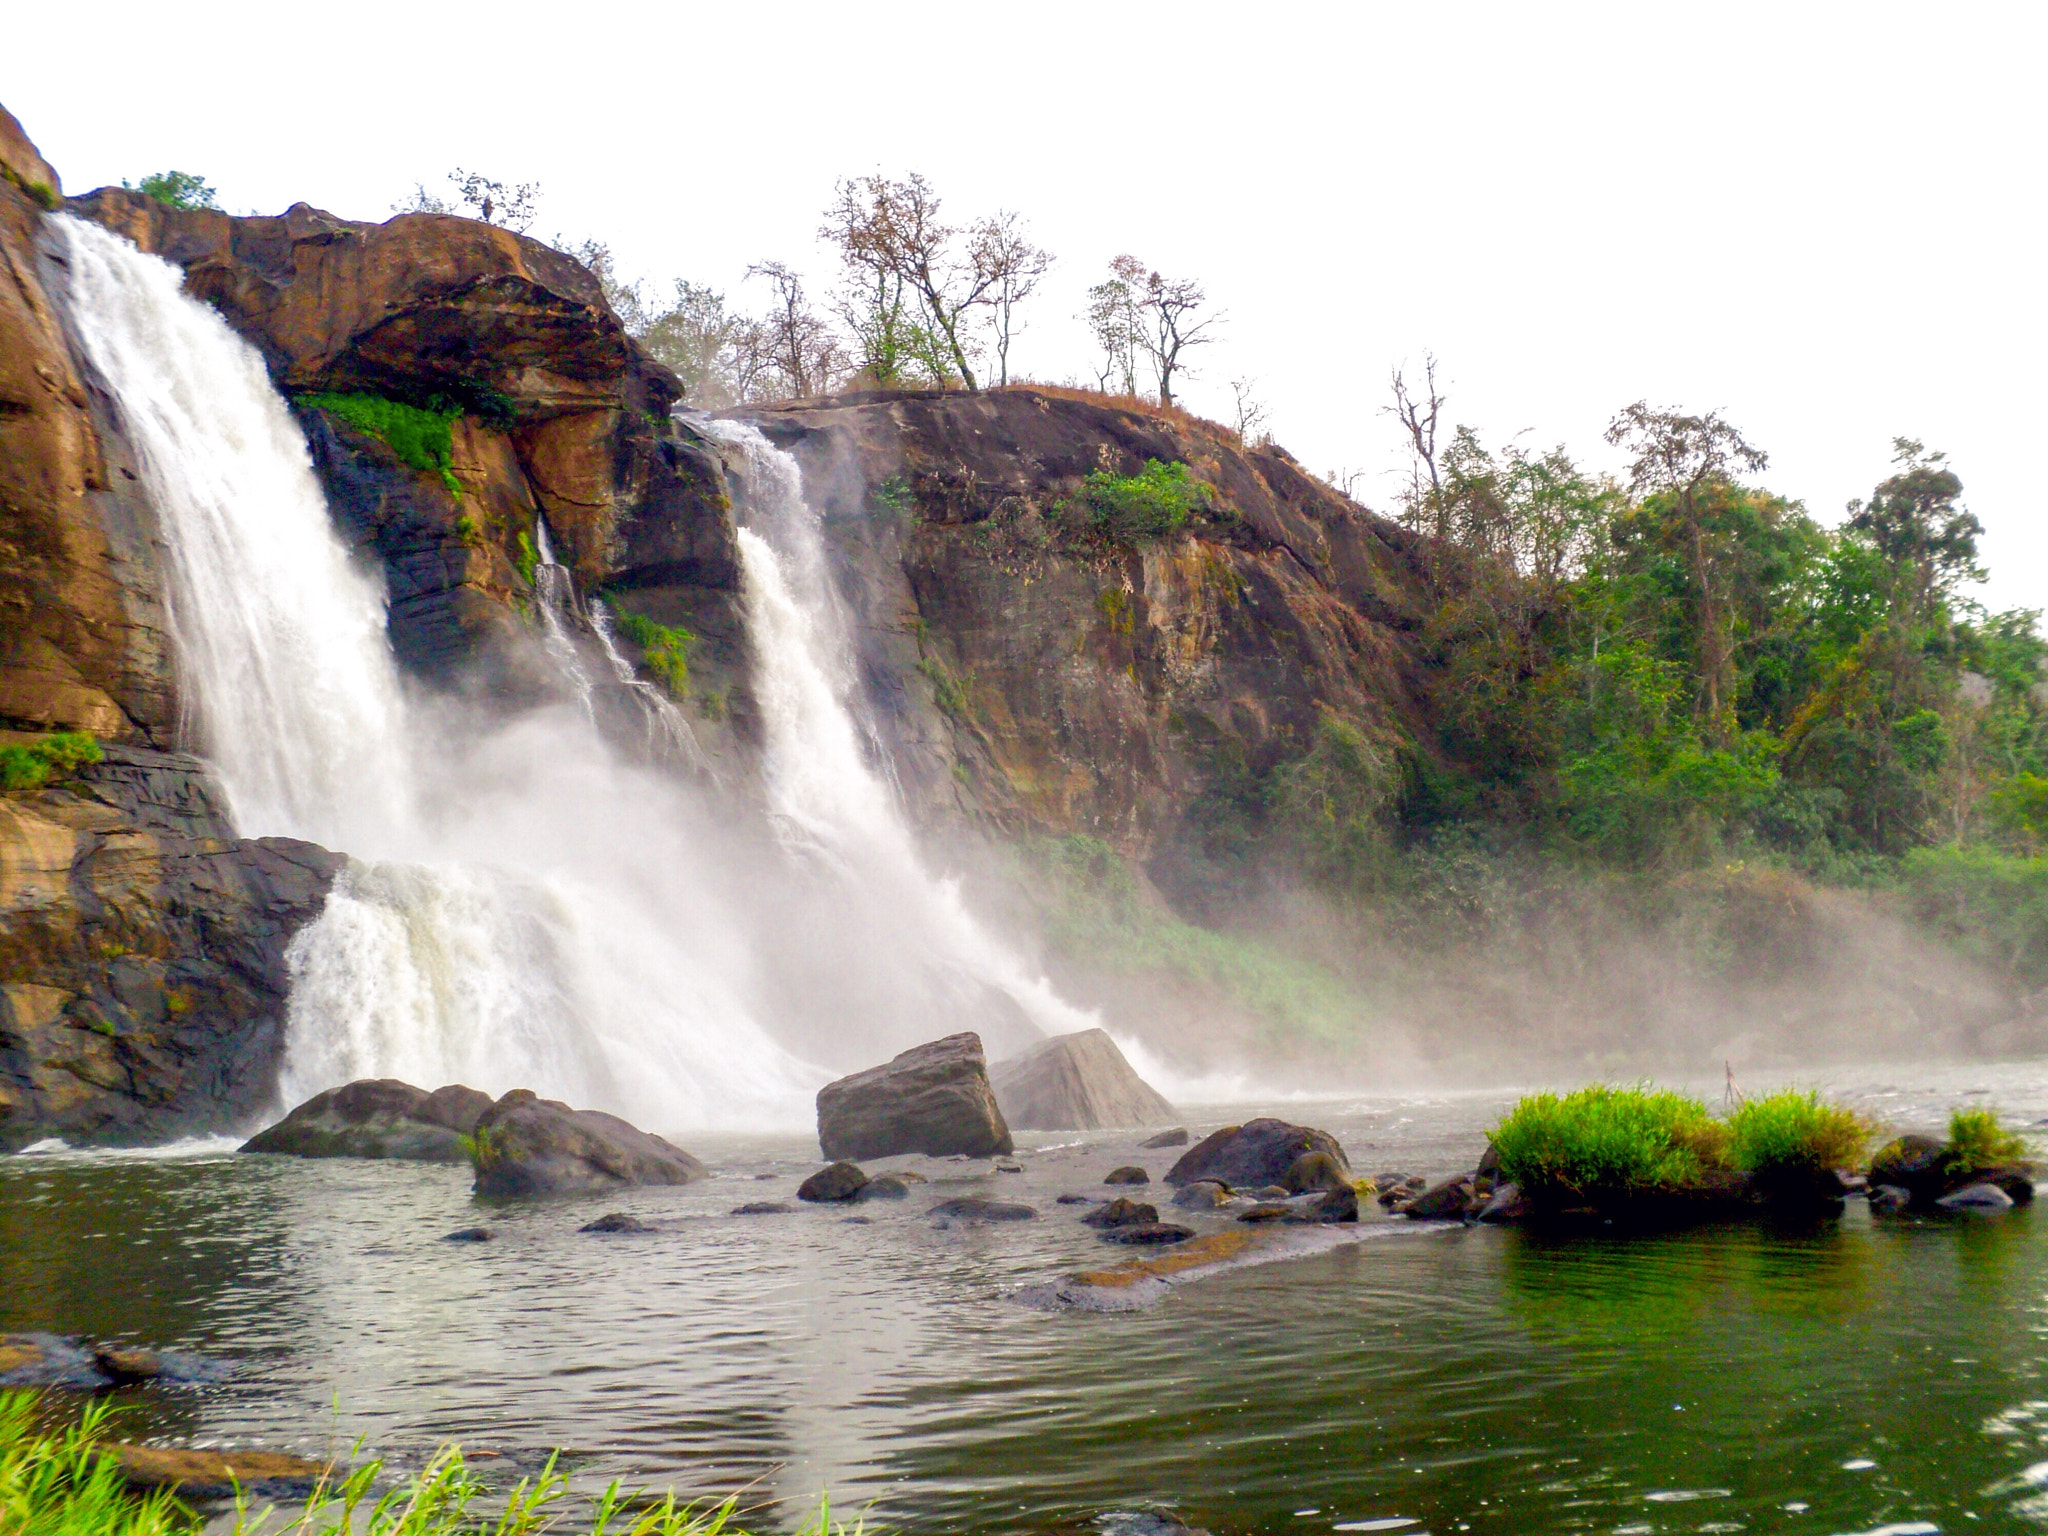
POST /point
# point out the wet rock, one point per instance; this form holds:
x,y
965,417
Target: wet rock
x,y
2016,1180
1009,1167
1128,1175
528,1145
1889,1197
888,1186
470,1235
933,1099
1273,1192
856,1221
1489,1161
1148,1232
1121,1213
763,1208
1453,1199
1257,1153
211,1475
1077,1082
1976,1197
1314,1171
124,1367
979,1208
380,1118
1267,1210
616,1221
1177,1137
841,1181
1336,1206
1911,1163
1396,1191
1505,1206
46,1360
1202,1195
1078,1200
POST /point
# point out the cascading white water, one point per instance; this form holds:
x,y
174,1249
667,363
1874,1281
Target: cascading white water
x,y
825,795
535,914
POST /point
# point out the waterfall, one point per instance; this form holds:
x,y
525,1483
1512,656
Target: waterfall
x,y
827,798
527,911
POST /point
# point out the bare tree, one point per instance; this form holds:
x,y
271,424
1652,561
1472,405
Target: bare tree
x,y
802,345
1251,415
1002,250
496,202
1114,321
1168,307
895,227
1423,506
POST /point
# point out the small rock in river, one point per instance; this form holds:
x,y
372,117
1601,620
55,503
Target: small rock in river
x,y
1177,1137
979,1208
1009,1167
763,1208
841,1181
1314,1171
1505,1206
1127,1175
885,1186
1203,1195
1078,1200
1889,1197
616,1221
124,1366
1267,1210
1120,1213
1976,1197
1336,1206
1148,1232
1449,1200
470,1235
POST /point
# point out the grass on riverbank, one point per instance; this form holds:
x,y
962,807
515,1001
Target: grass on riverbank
x,y
1792,1138
66,1484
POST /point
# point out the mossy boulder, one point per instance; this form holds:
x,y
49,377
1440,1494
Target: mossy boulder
x,y
378,1118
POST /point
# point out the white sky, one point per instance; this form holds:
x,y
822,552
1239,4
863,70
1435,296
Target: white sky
x,y
1825,220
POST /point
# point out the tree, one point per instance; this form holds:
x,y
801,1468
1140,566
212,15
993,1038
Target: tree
x,y
1914,522
1168,307
894,229
176,189
801,345
511,206
1250,422
1114,322
1002,249
1422,508
1684,457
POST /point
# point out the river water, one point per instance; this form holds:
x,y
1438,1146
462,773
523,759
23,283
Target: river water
x,y
1856,1376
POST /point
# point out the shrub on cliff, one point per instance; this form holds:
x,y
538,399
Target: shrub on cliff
x,y
1607,1141
176,189
665,649
34,765
1151,504
422,439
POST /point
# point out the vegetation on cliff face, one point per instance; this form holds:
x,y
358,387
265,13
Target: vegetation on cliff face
x,y
423,439
665,649
33,764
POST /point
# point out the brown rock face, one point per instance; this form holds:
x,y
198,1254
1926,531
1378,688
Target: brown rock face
x,y
80,625
933,1099
528,1145
142,974
378,1118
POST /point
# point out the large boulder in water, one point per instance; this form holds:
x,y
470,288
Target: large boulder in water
x,y
1077,1082
527,1145
1253,1155
378,1117
933,1099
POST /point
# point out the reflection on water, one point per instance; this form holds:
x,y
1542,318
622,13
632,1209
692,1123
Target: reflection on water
x,y
1833,1378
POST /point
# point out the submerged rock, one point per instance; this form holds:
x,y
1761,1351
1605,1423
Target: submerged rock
x,y
888,1186
470,1235
1078,1200
1127,1175
933,1099
841,1181
980,1208
527,1145
1257,1153
1120,1213
217,1474
1202,1195
1889,1197
616,1221
763,1208
1976,1197
1148,1232
1453,1199
1077,1082
1505,1206
46,1360
1177,1137
378,1117
1267,1210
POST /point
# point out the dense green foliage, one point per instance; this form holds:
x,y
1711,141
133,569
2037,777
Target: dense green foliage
x,y
1977,1140
176,189
34,765
665,649
1148,505
1609,1141
60,1484
1792,1135
423,439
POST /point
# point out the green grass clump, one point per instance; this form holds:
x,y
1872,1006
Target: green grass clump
x,y
423,439
33,766
1605,1140
64,1484
665,649
1792,1135
484,1147
1148,505
1977,1140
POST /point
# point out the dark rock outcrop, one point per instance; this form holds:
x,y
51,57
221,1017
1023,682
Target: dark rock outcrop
x,y
977,1208
1120,1213
1177,1137
887,1187
1077,1082
840,1181
527,1145
933,1099
1314,1171
1202,1195
1257,1153
616,1221
1148,1233
763,1208
1130,1174
142,970
378,1117
1452,1199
